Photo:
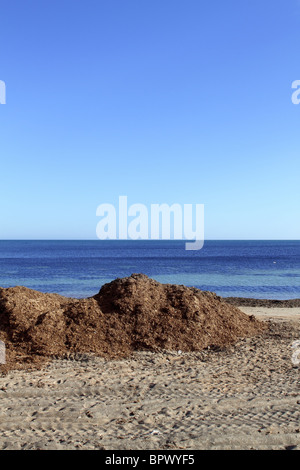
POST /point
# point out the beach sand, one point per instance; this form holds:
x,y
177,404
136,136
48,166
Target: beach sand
x,y
244,397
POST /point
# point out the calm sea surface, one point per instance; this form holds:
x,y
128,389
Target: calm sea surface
x,y
259,269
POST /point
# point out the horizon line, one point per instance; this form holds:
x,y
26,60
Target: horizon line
x,y
147,240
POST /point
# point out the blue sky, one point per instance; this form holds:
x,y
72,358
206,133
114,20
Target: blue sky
x,y
163,101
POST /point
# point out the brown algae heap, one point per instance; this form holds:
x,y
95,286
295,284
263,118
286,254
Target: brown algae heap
x,y
127,315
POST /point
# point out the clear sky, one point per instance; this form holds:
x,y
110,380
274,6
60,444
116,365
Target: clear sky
x,y
164,101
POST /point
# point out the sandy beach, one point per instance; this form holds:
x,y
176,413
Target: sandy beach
x,y
245,396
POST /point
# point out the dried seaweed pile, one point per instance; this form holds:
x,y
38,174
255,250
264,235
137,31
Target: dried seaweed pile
x,y
129,314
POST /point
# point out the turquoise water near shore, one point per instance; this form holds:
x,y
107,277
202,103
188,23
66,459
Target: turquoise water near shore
x,y
260,269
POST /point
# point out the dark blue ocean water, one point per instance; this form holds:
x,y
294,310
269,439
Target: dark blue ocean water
x,y
259,269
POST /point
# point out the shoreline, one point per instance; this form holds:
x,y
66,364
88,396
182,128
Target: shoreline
x,y
266,303
267,310
232,300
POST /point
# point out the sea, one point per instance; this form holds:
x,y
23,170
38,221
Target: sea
x,y
265,269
